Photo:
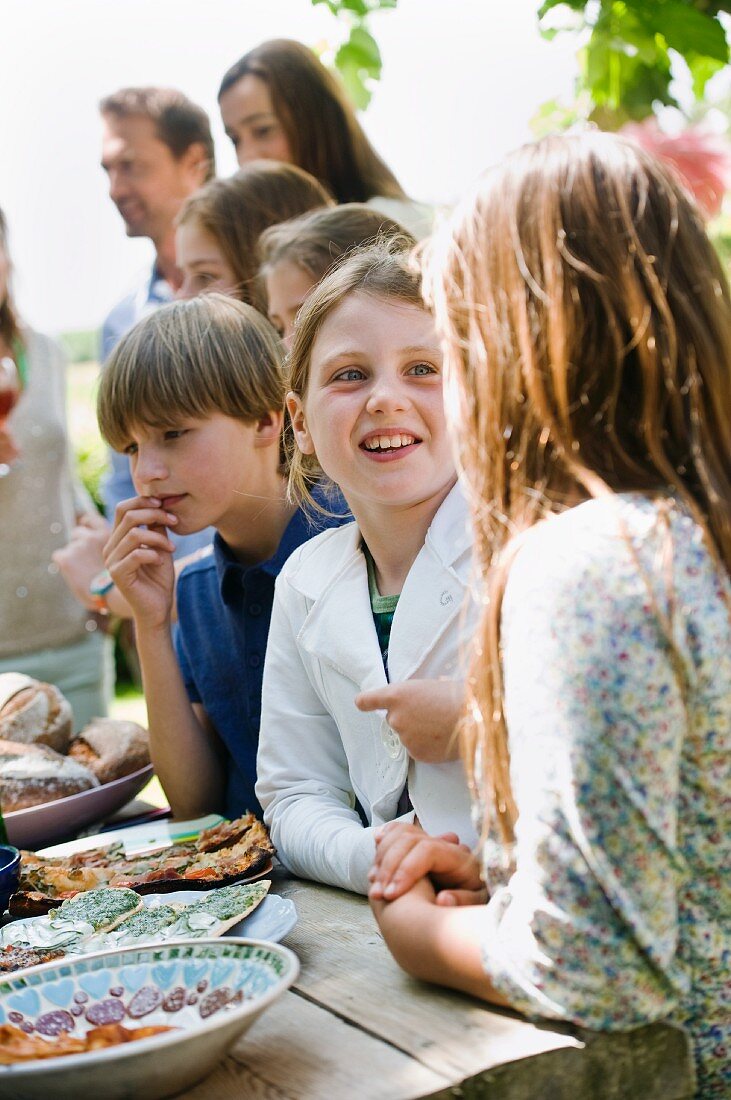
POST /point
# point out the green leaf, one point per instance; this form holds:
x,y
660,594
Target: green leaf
x,y
548,5
361,49
683,27
701,70
359,61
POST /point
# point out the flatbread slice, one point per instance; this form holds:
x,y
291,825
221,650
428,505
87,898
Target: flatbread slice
x,y
219,910
103,909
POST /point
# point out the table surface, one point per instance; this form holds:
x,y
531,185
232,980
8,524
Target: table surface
x,y
353,1025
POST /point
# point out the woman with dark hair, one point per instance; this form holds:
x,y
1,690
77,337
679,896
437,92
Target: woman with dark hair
x,y
45,632
279,102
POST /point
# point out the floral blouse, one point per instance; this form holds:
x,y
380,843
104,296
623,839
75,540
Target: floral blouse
x,y
618,912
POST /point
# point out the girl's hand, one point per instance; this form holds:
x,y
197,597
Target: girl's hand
x,y
139,557
424,713
405,855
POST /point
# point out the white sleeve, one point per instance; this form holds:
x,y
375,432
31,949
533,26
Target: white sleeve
x,y
304,784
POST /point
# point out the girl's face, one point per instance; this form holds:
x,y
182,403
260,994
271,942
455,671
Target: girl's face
x,y
202,263
249,120
287,286
373,411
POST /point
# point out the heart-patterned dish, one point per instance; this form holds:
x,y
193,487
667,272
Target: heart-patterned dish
x,y
207,991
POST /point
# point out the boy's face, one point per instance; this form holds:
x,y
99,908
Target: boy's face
x,y
200,469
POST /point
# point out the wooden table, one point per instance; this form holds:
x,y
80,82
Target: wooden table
x,y
354,1026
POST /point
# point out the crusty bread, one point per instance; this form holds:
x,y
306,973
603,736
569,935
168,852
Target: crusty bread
x,y
111,748
33,774
32,712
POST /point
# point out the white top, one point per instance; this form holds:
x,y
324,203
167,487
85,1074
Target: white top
x,y
417,217
317,752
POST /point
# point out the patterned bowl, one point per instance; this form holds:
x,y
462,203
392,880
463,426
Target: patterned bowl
x,y
211,990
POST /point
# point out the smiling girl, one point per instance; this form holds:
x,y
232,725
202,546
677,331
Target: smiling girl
x,y
376,611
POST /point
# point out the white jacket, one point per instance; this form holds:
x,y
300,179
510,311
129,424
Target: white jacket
x,y
317,751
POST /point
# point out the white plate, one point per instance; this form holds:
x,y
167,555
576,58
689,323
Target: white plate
x,y
43,824
138,839
272,920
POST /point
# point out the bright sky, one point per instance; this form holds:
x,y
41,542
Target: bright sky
x,y
461,81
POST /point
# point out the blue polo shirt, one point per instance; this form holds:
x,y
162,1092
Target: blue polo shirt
x,y
224,609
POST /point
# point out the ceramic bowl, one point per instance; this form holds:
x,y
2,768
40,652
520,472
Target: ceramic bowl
x,y
9,874
211,990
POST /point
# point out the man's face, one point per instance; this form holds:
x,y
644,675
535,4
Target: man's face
x,y
147,183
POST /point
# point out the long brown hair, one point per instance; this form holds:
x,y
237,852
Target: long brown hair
x,y
9,323
318,120
237,210
588,329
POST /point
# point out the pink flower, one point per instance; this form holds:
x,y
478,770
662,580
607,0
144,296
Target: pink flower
x,y
701,160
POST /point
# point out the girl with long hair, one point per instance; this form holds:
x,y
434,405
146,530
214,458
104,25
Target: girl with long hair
x,y
588,331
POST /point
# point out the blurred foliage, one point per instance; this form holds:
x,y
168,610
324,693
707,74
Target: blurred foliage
x,y
630,47
358,59
89,450
81,346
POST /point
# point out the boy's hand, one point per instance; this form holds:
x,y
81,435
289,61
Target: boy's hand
x,y
139,557
405,854
424,713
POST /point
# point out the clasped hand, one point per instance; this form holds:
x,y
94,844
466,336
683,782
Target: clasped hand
x,y
406,856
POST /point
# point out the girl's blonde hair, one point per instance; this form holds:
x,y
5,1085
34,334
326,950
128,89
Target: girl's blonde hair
x,y
236,211
191,359
588,330
320,239
381,270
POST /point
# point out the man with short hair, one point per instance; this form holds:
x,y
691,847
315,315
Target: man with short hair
x,y
157,149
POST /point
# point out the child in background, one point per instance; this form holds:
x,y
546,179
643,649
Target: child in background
x,y
216,244
194,394
296,254
588,327
378,607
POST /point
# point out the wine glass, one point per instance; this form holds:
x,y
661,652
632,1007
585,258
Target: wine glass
x,y
9,394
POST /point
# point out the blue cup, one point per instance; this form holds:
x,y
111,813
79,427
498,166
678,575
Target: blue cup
x,y
9,874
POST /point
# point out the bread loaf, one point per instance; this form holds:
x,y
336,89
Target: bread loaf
x,y
32,774
32,712
111,748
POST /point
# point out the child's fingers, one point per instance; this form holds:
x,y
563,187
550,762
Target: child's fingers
x,y
125,571
461,897
134,539
378,699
